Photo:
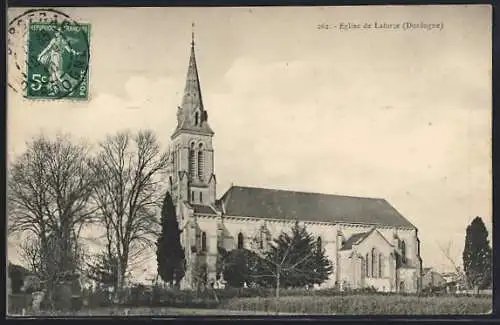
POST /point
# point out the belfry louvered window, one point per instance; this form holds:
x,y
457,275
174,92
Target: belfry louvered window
x,y
200,162
192,168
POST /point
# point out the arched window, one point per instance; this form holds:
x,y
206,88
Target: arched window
x,y
192,196
319,244
367,265
374,263
201,197
240,241
192,169
403,251
196,118
200,162
174,161
203,241
380,265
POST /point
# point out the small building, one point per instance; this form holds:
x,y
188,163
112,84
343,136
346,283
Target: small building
x,y
432,279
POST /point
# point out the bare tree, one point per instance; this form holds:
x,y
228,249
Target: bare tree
x,y
130,169
49,188
446,251
29,251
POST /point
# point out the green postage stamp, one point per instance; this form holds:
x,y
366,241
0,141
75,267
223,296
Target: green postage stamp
x,y
58,61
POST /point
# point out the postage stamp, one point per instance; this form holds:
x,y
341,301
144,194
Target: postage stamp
x,y
49,55
58,60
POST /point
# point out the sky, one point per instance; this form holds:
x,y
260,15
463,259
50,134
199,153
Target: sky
x,y
398,114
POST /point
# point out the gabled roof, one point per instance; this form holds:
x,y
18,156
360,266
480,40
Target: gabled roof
x,y
354,240
304,206
357,239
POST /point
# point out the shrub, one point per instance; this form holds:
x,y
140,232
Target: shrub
x,y
16,303
97,298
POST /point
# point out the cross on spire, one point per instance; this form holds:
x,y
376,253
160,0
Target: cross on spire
x,y
192,34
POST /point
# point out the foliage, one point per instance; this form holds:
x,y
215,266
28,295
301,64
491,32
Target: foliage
x,y
169,253
239,267
477,257
293,260
103,269
290,261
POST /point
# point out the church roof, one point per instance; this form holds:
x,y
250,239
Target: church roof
x,y
291,205
202,209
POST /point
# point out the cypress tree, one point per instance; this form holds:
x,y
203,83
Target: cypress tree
x,y
477,257
169,253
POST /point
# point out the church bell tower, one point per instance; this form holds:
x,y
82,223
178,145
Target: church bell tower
x,y
192,178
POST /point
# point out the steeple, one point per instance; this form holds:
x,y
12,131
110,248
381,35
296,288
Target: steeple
x,y
191,115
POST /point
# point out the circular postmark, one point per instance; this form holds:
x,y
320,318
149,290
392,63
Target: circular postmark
x,y
48,55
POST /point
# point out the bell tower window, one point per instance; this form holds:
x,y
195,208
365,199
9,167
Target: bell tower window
x,y
200,162
196,118
192,169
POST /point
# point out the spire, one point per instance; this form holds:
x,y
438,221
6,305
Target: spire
x,y
191,115
192,91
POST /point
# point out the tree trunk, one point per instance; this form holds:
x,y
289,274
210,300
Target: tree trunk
x,y
119,282
278,272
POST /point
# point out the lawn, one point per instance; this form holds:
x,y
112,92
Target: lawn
x,y
154,311
366,305
358,304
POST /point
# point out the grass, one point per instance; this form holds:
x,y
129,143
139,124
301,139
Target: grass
x,y
366,305
321,304
153,311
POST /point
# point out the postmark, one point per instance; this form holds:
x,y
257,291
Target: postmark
x,y
49,56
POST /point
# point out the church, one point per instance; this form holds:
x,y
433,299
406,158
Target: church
x,y
368,241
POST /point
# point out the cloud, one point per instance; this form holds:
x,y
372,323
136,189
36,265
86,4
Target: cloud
x,y
144,105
